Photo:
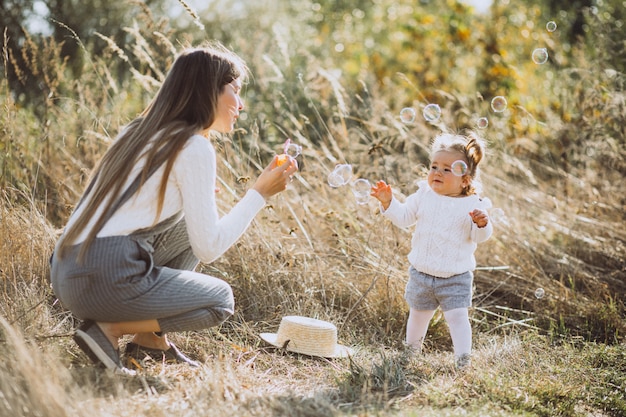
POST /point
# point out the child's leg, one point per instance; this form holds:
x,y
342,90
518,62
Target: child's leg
x,y
416,327
460,330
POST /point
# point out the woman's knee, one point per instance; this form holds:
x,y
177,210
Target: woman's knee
x,y
225,305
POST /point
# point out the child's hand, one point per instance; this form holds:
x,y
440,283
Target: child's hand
x,y
479,217
382,192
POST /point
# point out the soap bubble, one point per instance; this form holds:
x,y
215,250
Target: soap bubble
x,y
345,172
432,112
551,26
459,168
334,180
498,104
289,149
293,150
341,175
482,123
407,115
362,189
539,293
497,216
540,56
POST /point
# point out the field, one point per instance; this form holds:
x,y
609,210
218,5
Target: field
x,y
548,313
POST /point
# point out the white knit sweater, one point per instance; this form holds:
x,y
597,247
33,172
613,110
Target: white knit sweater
x,y
445,237
190,190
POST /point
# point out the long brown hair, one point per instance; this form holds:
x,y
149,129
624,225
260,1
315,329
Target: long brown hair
x,y
185,105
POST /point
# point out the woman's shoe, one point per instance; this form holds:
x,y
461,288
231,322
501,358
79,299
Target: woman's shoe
x,y
92,340
135,351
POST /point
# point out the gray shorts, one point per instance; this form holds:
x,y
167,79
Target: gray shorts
x,y
427,292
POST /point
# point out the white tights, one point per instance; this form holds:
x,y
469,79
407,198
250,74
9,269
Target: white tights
x,y
458,323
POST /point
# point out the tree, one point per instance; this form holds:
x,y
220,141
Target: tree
x,y
72,24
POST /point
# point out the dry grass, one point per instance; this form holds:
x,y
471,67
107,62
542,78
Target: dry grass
x,y
511,375
323,256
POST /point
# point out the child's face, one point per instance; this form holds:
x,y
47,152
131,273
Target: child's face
x,y
441,178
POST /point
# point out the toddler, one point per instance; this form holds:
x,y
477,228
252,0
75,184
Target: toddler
x,y
450,219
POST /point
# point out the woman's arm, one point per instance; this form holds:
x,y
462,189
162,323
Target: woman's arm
x,y
196,174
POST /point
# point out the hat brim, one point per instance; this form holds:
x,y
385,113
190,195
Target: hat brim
x,y
341,351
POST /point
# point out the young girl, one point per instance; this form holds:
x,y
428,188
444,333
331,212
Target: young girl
x,y
125,262
450,219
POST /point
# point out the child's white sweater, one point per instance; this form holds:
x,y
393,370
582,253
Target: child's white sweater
x,y
445,237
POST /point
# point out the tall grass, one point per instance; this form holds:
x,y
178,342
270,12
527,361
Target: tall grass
x,y
335,83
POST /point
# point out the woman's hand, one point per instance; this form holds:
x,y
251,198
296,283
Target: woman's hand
x,y
479,217
382,192
275,178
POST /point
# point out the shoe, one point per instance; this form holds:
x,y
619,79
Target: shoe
x,y
92,340
463,361
133,350
409,355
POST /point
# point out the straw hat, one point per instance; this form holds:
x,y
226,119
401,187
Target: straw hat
x,y
307,336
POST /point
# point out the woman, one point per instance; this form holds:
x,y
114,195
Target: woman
x,y
125,262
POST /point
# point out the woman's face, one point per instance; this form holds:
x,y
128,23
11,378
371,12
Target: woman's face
x,y
441,178
229,104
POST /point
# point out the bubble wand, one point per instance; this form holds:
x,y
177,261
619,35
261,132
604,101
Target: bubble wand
x,y
289,150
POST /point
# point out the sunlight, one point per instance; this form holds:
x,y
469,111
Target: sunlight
x,y
481,6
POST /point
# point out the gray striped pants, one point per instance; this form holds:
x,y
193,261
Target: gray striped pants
x,y
147,275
